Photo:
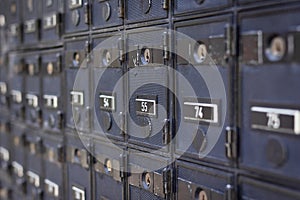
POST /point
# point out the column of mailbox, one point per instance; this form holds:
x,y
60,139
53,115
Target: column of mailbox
x,y
268,67
73,119
32,110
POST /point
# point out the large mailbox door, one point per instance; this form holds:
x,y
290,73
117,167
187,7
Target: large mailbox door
x,y
269,72
78,84
148,88
203,88
52,92
108,86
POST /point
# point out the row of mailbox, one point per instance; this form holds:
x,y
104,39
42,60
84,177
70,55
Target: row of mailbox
x,y
210,108
35,165
111,91
32,21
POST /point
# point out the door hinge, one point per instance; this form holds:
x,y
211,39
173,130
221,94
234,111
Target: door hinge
x,y
59,24
166,132
60,121
165,4
121,11
230,192
123,123
87,50
123,165
136,59
87,14
167,181
58,63
231,143
121,45
166,45
229,42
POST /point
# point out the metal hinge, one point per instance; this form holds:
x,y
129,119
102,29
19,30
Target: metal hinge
x,y
165,4
230,192
166,132
136,59
121,11
58,63
166,45
167,181
59,24
229,42
231,143
87,50
87,14
123,165
123,123
60,119
121,45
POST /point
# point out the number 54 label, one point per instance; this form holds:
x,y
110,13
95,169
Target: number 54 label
x,y
107,102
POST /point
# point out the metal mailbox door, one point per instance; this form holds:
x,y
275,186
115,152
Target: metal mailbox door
x,y
269,72
203,89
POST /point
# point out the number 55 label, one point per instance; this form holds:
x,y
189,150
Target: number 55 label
x,y
146,106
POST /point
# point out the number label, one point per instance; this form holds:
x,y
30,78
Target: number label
x,y
50,21
32,100
51,101
107,102
77,98
201,112
3,88
16,96
145,107
75,4
30,26
275,119
78,194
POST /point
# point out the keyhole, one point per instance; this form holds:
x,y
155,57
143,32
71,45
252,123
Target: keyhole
x,y
13,8
31,69
108,57
30,5
203,195
32,148
200,194
276,48
77,155
200,53
108,166
50,68
147,180
76,59
51,154
146,56
16,141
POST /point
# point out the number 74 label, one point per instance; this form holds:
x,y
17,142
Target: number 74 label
x,y
202,112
